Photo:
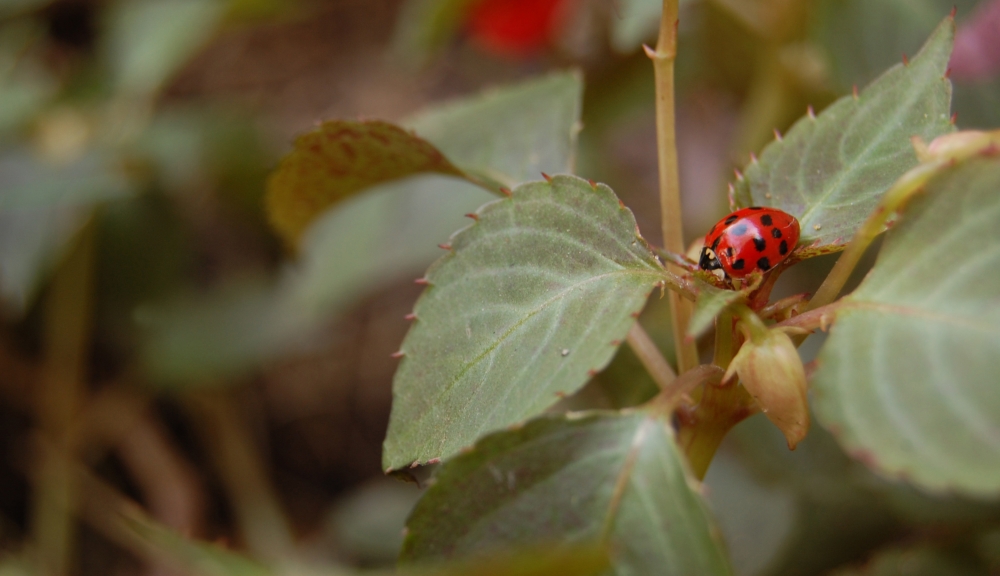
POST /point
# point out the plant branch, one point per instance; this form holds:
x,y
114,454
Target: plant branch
x,y
61,387
649,354
670,198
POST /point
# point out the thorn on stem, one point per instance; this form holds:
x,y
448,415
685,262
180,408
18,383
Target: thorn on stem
x,y
592,184
650,53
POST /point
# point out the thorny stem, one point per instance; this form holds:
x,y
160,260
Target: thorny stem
x,y
670,198
650,356
61,388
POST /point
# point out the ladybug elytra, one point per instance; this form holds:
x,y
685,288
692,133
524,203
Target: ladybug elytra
x,y
754,238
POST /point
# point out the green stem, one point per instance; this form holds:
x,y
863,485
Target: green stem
x,y
904,189
670,198
649,354
61,388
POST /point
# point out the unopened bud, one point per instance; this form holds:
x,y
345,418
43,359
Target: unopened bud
x,y
770,369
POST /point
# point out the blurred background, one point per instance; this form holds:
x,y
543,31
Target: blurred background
x,y
149,354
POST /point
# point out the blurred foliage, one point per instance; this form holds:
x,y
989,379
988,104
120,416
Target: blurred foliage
x,y
112,129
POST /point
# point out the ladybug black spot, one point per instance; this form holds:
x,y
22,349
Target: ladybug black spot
x,y
739,264
732,218
775,233
730,251
715,245
764,264
759,243
738,230
766,220
783,248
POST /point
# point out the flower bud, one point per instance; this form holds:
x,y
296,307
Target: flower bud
x,y
770,369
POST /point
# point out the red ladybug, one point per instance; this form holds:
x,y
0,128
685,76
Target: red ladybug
x,y
754,238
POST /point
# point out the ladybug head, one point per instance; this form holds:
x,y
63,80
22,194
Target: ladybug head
x,y
710,261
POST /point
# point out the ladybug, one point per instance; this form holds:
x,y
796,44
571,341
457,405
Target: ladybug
x,y
754,238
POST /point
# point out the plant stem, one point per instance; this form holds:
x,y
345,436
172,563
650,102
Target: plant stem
x,y
60,390
670,198
262,521
719,407
650,356
894,199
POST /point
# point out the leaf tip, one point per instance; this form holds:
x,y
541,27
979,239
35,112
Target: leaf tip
x,y
738,174
810,112
561,395
547,177
777,135
906,59
397,354
621,206
473,215
422,281
592,184
854,91
414,464
445,246
635,314
592,372
410,317
954,118
947,73
753,160
434,461
506,191
616,342
954,10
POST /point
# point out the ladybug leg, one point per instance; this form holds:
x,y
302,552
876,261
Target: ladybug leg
x,y
678,260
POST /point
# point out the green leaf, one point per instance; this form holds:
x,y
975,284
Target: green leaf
x,y
340,158
534,297
147,41
510,136
907,379
711,301
830,171
614,478
917,561
41,209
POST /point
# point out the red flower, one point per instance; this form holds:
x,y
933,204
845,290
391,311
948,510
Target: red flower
x,y
515,27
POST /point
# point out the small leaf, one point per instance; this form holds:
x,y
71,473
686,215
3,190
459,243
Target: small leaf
x,y
617,478
830,171
338,159
533,298
711,301
907,378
